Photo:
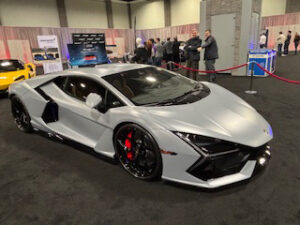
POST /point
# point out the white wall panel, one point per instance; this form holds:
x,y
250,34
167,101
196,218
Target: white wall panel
x,y
86,14
29,13
185,12
273,7
120,15
148,15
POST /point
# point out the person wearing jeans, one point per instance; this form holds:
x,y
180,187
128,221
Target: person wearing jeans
x,y
159,52
210,54
296,42
168,47
192,54
287,43
280,42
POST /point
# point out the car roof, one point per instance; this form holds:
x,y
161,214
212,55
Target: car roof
x,y
105,69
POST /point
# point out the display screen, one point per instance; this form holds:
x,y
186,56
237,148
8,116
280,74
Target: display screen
x,y
84,55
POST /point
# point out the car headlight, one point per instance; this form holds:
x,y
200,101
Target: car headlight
x,y
206,145
3,78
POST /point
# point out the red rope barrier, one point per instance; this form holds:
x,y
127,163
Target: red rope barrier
x,y
210,71
237,67
278,77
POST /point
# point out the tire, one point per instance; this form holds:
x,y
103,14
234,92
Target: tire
x,y
21,116
138,152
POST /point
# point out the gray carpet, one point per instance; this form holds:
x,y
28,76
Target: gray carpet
x,y
44,182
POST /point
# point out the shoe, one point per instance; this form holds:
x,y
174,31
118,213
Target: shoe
x,y
283,55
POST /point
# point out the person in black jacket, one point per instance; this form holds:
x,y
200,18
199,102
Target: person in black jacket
x,y
140,53
287,43
176,58
296,42
192,54
210,54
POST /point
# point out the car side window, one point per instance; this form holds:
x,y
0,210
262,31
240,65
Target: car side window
x,y
80,88
112,101
60,81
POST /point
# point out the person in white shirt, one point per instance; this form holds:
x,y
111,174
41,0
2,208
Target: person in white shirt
x,y
280,42
263,41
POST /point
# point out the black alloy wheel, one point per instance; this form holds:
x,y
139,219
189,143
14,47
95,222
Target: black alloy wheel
x,y
20,114
138,152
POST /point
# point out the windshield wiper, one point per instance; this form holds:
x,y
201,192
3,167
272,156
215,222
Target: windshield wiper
x,y
195,89
165,102
198,87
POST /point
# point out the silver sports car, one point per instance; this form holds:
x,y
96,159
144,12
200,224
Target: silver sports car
x,y
157,123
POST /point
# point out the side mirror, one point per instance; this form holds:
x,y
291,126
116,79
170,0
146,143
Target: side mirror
x,y
93,100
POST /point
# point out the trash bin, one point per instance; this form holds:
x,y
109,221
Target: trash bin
x,y
264,57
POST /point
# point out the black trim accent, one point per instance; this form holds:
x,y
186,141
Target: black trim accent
x,y
22,77
50,113
43,94
76,145
215,166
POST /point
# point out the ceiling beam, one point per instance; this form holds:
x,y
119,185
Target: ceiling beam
x,y
167,11
109,14
62,13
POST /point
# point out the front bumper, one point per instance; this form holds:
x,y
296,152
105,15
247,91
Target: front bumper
x,y
220,170
4,87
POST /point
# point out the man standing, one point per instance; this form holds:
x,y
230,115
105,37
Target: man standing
x,y
263,40
192,54
280,41
168,46
296,42
140,52
210,54
287,43
159,51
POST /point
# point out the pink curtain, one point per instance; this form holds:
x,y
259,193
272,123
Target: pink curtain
x,y
282,23
164,33
64,36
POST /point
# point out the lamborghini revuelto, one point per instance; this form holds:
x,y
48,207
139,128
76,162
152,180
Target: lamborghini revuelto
x,y
157,123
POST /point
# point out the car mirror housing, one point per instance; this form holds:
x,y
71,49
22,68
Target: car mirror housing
x,y
93,100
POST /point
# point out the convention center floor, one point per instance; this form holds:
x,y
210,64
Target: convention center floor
x,y
46,182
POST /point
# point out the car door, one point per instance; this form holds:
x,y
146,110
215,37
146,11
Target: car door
x,y
76,120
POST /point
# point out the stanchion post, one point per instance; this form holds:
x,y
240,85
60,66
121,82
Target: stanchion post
x,y
251,91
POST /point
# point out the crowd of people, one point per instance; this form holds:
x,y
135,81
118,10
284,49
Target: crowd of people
x,y
153,52
283,42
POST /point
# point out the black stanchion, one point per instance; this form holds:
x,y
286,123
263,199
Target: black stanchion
x,y
251,91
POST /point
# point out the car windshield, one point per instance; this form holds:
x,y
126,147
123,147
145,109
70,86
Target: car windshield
x,y
10,65
155,86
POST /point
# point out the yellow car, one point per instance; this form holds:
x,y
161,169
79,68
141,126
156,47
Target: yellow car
x,y
14,70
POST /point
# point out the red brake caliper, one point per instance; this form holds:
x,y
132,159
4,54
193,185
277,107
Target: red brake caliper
x,y
128,145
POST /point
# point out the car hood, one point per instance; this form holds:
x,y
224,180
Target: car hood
x,y
220,115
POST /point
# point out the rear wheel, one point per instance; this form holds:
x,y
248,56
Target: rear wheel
x,y
138,152
20,114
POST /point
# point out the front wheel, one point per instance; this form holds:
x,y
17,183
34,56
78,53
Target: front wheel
x,y
20,114
138,152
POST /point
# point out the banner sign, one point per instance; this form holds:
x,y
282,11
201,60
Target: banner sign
x,y
48,54
88,38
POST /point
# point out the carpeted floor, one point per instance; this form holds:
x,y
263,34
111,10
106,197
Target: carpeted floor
x,y
44,182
